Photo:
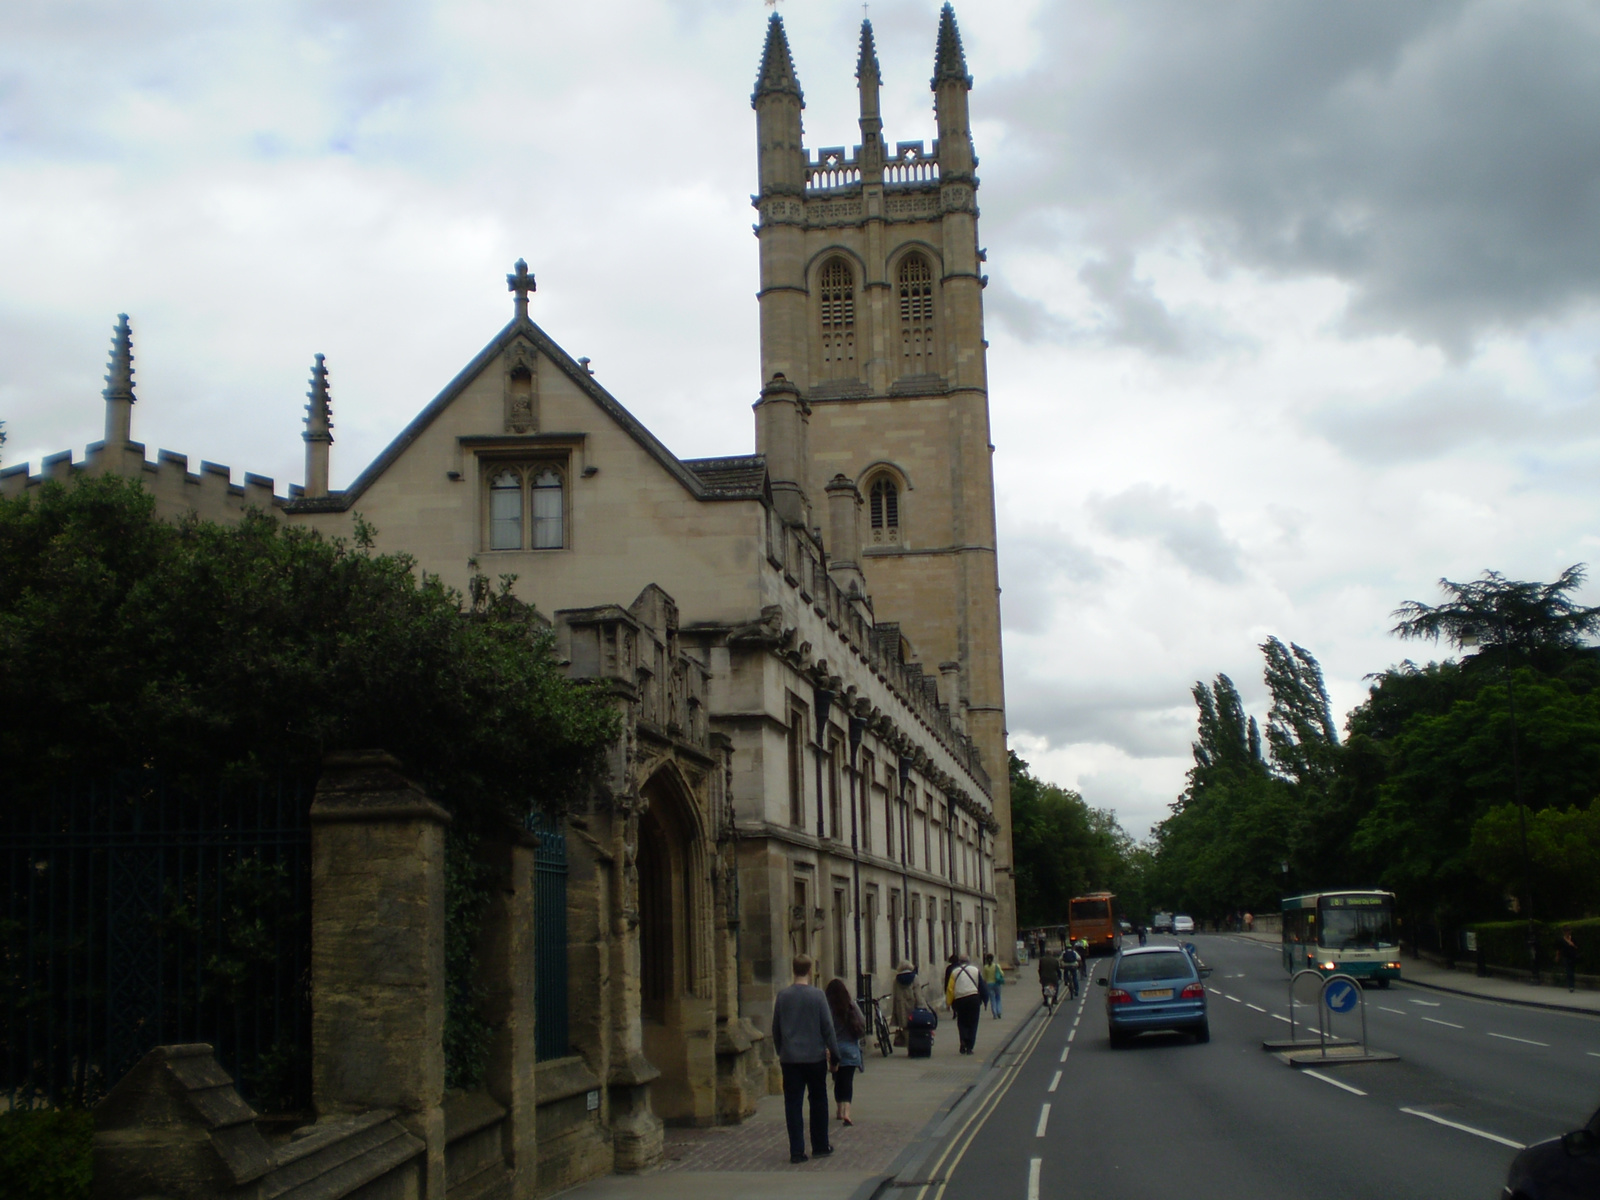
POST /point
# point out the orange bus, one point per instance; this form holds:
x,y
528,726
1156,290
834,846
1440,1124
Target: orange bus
x,y
1094,919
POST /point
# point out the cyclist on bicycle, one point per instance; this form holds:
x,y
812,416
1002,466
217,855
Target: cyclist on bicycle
x,y
1071,960
1049,977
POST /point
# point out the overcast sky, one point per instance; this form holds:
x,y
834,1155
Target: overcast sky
x,y
1292,306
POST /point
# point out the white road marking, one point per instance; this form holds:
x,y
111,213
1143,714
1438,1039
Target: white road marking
x,y
1257,1007
1281,1017
1402,1012
1055,1083
1328,1079
1033,1177
1072,1033
1452,1024
1044,1119
1064,1052
1506,1037
1429,1003
1076,1019
1592,1054
1236,999
1483,1133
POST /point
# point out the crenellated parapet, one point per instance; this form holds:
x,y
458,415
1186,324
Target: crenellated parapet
x,y
209,493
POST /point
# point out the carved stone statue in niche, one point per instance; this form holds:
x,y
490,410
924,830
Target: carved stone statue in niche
x,y
522,389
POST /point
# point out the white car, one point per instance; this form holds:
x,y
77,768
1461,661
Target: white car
x,y
1182,924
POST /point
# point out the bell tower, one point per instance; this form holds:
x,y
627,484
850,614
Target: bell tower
x,y
872,334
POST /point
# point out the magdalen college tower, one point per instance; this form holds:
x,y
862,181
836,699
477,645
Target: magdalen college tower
x,y
875,385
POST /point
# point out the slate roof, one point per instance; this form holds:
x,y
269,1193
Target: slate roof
x,y
743,477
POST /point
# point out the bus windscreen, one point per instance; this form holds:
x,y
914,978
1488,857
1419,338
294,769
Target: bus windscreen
x,y
1368,927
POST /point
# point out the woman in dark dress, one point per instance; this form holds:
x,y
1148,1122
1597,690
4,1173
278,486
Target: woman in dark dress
x,y
848,1028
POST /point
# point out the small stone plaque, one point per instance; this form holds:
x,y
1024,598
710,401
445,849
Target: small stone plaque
x,y
594,1100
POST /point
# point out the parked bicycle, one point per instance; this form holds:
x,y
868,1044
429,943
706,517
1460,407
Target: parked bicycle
x,y
878,1025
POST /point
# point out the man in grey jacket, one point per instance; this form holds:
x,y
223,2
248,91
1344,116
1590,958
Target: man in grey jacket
x,y
802,1034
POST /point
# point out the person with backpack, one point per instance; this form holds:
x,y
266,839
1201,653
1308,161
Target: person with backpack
x,y
964,993
994,979
1069,967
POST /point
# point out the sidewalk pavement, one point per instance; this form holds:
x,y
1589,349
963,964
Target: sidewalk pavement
x,y
1464,981
898,1102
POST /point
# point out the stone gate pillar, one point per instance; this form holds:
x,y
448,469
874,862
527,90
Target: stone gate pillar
x,y
377,948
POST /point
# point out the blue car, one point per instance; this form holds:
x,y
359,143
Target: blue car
x,y
1155,987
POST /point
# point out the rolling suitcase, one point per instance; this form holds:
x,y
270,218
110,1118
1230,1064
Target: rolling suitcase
x,y
919,1032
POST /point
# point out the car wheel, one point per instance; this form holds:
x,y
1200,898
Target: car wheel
x,y
1202,1032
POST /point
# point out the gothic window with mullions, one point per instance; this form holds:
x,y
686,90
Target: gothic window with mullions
x,y
838,292
527,506
916,316
883,511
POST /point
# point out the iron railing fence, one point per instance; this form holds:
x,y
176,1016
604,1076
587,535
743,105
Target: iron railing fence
x,y
550,938
139,914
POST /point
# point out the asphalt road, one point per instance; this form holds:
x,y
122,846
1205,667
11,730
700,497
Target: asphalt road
x,y
1167,1117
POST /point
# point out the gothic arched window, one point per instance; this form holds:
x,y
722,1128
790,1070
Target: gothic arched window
x,y
884,511
548,521
505,511
527,506
838,292
916,316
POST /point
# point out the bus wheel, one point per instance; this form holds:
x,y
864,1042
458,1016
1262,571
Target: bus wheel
x,y
1383,983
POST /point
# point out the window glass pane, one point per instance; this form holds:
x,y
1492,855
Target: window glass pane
x,y
505,512
547,523
1144,968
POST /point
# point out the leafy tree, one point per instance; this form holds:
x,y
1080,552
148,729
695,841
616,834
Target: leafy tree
x,y
1563,846
1061,847
206,649
1496,611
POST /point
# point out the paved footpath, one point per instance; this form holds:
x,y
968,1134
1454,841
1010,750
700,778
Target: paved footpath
x,y
899,1104
1464,981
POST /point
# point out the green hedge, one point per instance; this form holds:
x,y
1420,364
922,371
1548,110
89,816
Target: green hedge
x,y
1505,943
46,1154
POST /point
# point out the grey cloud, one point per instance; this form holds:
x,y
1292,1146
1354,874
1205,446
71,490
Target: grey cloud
x,y
1441,158
1446,414
1156,723
1040,570
1191,534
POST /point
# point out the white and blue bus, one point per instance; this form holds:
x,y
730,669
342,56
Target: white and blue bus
x,y
1349,932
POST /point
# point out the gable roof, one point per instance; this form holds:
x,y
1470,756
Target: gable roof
x,y
748,481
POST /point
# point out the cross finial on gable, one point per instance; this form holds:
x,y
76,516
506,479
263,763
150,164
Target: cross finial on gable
x,y
521,283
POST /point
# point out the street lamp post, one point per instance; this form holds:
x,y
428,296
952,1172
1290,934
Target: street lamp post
x,y
1470,637
858,727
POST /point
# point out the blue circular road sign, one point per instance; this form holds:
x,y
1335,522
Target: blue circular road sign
x,y
1340,995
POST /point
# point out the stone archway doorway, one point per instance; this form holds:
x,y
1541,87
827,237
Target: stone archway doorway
x,y
675,1006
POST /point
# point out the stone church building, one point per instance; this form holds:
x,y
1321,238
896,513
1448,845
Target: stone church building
x,y
804,640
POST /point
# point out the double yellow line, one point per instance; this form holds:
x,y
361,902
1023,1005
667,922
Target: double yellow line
x,y
975,1121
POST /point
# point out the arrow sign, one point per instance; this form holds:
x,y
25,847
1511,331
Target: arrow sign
x,y
1340,996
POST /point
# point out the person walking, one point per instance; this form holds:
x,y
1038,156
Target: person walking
x,y
994,978
1568,949
848,1028
964,993
802,1034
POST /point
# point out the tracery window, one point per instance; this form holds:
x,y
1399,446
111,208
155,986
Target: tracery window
x,y
884,511
527,506
916,316
838,292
